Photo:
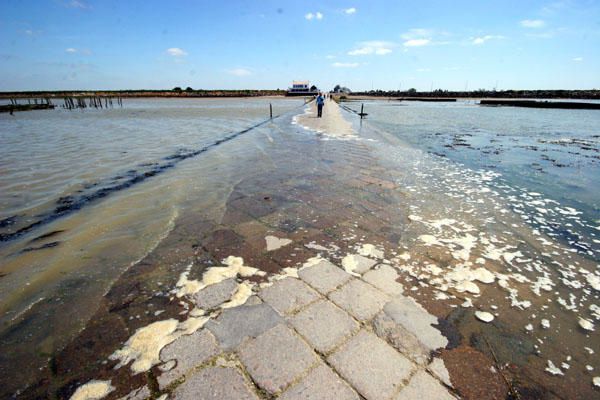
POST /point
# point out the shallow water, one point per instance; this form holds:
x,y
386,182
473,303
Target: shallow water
x,y
555,153
426,212
53,275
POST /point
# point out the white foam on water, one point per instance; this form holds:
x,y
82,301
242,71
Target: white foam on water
x,y
369,250
586,324
234,266
143,348
350,264
529,327
244,291
595,311
312,261
545,323
553,369
430,240
484,316
593,281
93,390
467,286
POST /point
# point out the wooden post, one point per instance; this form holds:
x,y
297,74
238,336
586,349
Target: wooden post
x,y
362,109
271,110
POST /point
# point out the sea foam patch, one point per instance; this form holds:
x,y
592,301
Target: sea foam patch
x,y
93,390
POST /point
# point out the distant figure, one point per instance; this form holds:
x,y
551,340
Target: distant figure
x,y
320,104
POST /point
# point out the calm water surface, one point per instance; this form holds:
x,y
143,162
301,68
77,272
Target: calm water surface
x,y
117,180
555,153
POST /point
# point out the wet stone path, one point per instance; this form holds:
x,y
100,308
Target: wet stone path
x,y
333,309
326,334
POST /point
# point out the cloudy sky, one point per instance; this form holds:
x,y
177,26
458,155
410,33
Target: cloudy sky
x,y
104,44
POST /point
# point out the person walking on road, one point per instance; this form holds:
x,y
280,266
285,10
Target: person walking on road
x,y
320,104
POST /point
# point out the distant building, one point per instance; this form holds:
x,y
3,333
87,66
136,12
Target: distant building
x,y
301,88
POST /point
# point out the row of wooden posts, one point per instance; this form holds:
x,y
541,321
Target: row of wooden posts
x,y
45,100
71,103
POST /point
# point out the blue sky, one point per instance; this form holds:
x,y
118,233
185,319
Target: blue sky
x,y
229,44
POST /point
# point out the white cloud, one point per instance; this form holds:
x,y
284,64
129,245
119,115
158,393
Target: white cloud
x,y
310,16
417,42
482,39
77,4
360,51
344,65
330,57
176,52
377,47
423,69
350,11
382,51
578,59
28,32
240,72
417,33
532,23
72,50
418,37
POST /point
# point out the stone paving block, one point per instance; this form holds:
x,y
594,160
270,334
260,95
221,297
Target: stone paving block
x,y
253,300
288,295
401,339
215,383
214,295
357,263
320,384
415,319
237,323
438,369
371,366
384,278
324,276
324,325
189,351
423,386
360,299
276,358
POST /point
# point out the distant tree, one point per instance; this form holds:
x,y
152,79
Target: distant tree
x,y
341,89
313,88
412,91
188,89
177,89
